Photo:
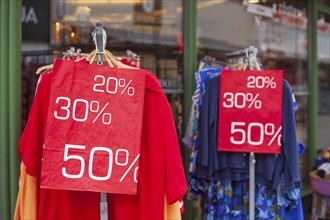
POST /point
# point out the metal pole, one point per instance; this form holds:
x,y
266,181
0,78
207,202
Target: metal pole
x,y
4,141
99,43
15,95
252,159
251,185
103,206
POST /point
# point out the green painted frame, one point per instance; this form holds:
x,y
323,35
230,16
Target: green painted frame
x,y
189,67
10,103
315,8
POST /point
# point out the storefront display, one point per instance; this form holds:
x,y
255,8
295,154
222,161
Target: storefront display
x,y
168,39
222,178
152,163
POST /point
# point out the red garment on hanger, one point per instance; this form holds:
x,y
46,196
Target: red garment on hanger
x,y
160,169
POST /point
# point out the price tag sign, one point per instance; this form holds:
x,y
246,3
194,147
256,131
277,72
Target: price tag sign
x,y
250,111
93,131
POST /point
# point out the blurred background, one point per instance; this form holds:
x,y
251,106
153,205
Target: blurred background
x,y
170,38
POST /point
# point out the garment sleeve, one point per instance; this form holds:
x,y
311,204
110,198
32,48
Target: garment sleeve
x,y
290,149
214,120
30,143
176,185
26,203
205,127
208,162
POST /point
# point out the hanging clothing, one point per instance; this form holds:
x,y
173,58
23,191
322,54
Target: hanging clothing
x,y
295,213
200,78
192,135
215,165
26,204
222,177
160,167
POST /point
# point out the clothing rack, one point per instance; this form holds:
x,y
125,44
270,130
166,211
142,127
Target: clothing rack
x,y
236,53
73,53
210,61
248,56
274,181
99,37
252,55
77,54
240,56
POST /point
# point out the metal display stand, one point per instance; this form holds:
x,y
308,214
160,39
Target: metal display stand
x,y
247,57
252,53
99,36
251,185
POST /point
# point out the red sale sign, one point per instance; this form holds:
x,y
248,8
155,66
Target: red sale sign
x,y
94,124
250,111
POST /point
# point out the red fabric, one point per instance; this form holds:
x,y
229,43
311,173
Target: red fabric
x,y
160,170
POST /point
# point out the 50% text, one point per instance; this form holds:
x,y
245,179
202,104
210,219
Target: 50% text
x,y
121,159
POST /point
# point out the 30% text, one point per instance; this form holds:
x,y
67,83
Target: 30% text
x,y
70,109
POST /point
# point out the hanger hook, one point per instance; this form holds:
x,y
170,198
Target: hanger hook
x,y
100,40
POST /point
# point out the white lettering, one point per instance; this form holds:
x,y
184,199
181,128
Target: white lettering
x,y
23,14
29,16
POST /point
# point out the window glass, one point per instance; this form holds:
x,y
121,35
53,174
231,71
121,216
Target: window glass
x,y
126,22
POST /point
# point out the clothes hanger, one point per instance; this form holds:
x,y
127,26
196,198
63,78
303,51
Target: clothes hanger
x,y
89,58
66,55
109,57
243,66
99,37
242,58
233,66
213,62
44,68
251,54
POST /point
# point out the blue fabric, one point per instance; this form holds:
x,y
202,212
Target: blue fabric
x,y
301,148
197,185
295,213
288,160
226,198
230,200
200,78
213,165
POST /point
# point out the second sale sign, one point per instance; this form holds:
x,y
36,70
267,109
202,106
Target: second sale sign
x,y
250,111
